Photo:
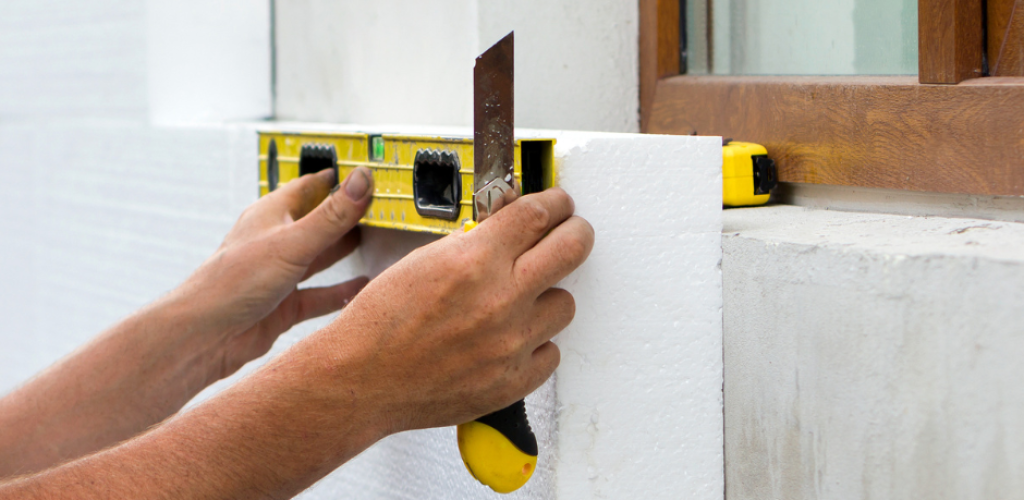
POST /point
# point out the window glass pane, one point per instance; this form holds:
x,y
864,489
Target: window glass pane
x,y
802,37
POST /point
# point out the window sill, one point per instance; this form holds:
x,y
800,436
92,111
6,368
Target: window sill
x,y
869,131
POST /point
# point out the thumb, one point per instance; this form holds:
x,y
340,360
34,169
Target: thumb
x,y
309,236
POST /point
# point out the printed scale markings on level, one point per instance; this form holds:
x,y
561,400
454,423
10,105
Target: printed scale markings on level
x,y
422,183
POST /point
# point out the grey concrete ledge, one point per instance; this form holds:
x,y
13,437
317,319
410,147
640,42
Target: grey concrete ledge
x,y
877,233
872,356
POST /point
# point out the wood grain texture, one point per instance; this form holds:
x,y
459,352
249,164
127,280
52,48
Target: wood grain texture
x,y
997,18
951,40
1006,37
659,48
884,132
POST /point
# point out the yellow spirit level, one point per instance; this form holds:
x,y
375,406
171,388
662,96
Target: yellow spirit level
x,y
748,175
421,183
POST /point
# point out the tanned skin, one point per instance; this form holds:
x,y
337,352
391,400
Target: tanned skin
x,y
457,329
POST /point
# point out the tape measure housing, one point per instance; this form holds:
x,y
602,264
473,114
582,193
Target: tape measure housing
x,y
748,175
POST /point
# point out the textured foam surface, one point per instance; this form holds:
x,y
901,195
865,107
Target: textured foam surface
x,y
639,387
107,217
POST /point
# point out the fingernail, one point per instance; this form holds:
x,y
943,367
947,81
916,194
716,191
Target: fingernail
x,y
357,185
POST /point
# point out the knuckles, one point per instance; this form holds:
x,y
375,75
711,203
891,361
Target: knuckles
x,y
533,215
337,213
576,244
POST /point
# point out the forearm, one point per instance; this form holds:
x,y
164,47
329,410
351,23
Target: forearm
x,y
265,437
126,379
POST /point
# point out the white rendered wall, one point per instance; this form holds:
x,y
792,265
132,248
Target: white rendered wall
x,y
66,59
168,61
208,61
872,356
577,62
386,61
404,61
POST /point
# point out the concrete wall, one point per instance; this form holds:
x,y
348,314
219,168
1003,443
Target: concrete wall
x,y
872,356
396,61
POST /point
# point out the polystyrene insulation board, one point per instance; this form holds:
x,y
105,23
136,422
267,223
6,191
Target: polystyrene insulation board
x,y
111,216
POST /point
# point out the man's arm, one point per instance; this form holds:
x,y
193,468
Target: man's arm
x,y
258,439
457,329
227,313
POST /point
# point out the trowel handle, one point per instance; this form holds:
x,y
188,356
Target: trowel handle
x,y
499,449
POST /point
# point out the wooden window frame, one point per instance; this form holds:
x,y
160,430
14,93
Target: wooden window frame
x,y
948,130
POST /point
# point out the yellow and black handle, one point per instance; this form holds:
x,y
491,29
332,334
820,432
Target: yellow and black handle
x,y
499,449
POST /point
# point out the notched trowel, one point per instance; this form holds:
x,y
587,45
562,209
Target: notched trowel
x,y
499,449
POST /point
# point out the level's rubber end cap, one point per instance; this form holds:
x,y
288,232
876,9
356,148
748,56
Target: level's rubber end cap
x,y
492,459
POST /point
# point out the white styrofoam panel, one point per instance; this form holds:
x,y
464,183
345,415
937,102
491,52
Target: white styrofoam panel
x,y
208,61
104,218
638,404
872,355
423,464
109,216
71,59
640,383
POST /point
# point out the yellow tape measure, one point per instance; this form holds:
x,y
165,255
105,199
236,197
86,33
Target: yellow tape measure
x,y
748,175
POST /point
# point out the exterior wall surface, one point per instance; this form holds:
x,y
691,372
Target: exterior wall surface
x,y
123,172
399,61
64,60
108,217
387,61
576,61
208,61
872,356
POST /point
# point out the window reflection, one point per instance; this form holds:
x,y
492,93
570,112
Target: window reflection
x,y
801,37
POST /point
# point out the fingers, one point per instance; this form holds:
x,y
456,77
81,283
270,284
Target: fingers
x,y
315,302
301,196
520,225
543,363
552,312
557,255
298,307
322,227
339,250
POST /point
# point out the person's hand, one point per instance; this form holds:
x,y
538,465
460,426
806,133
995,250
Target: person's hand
x,y
246,294
458,328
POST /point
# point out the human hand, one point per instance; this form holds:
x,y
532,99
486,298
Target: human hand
x,y
458,328
245,295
